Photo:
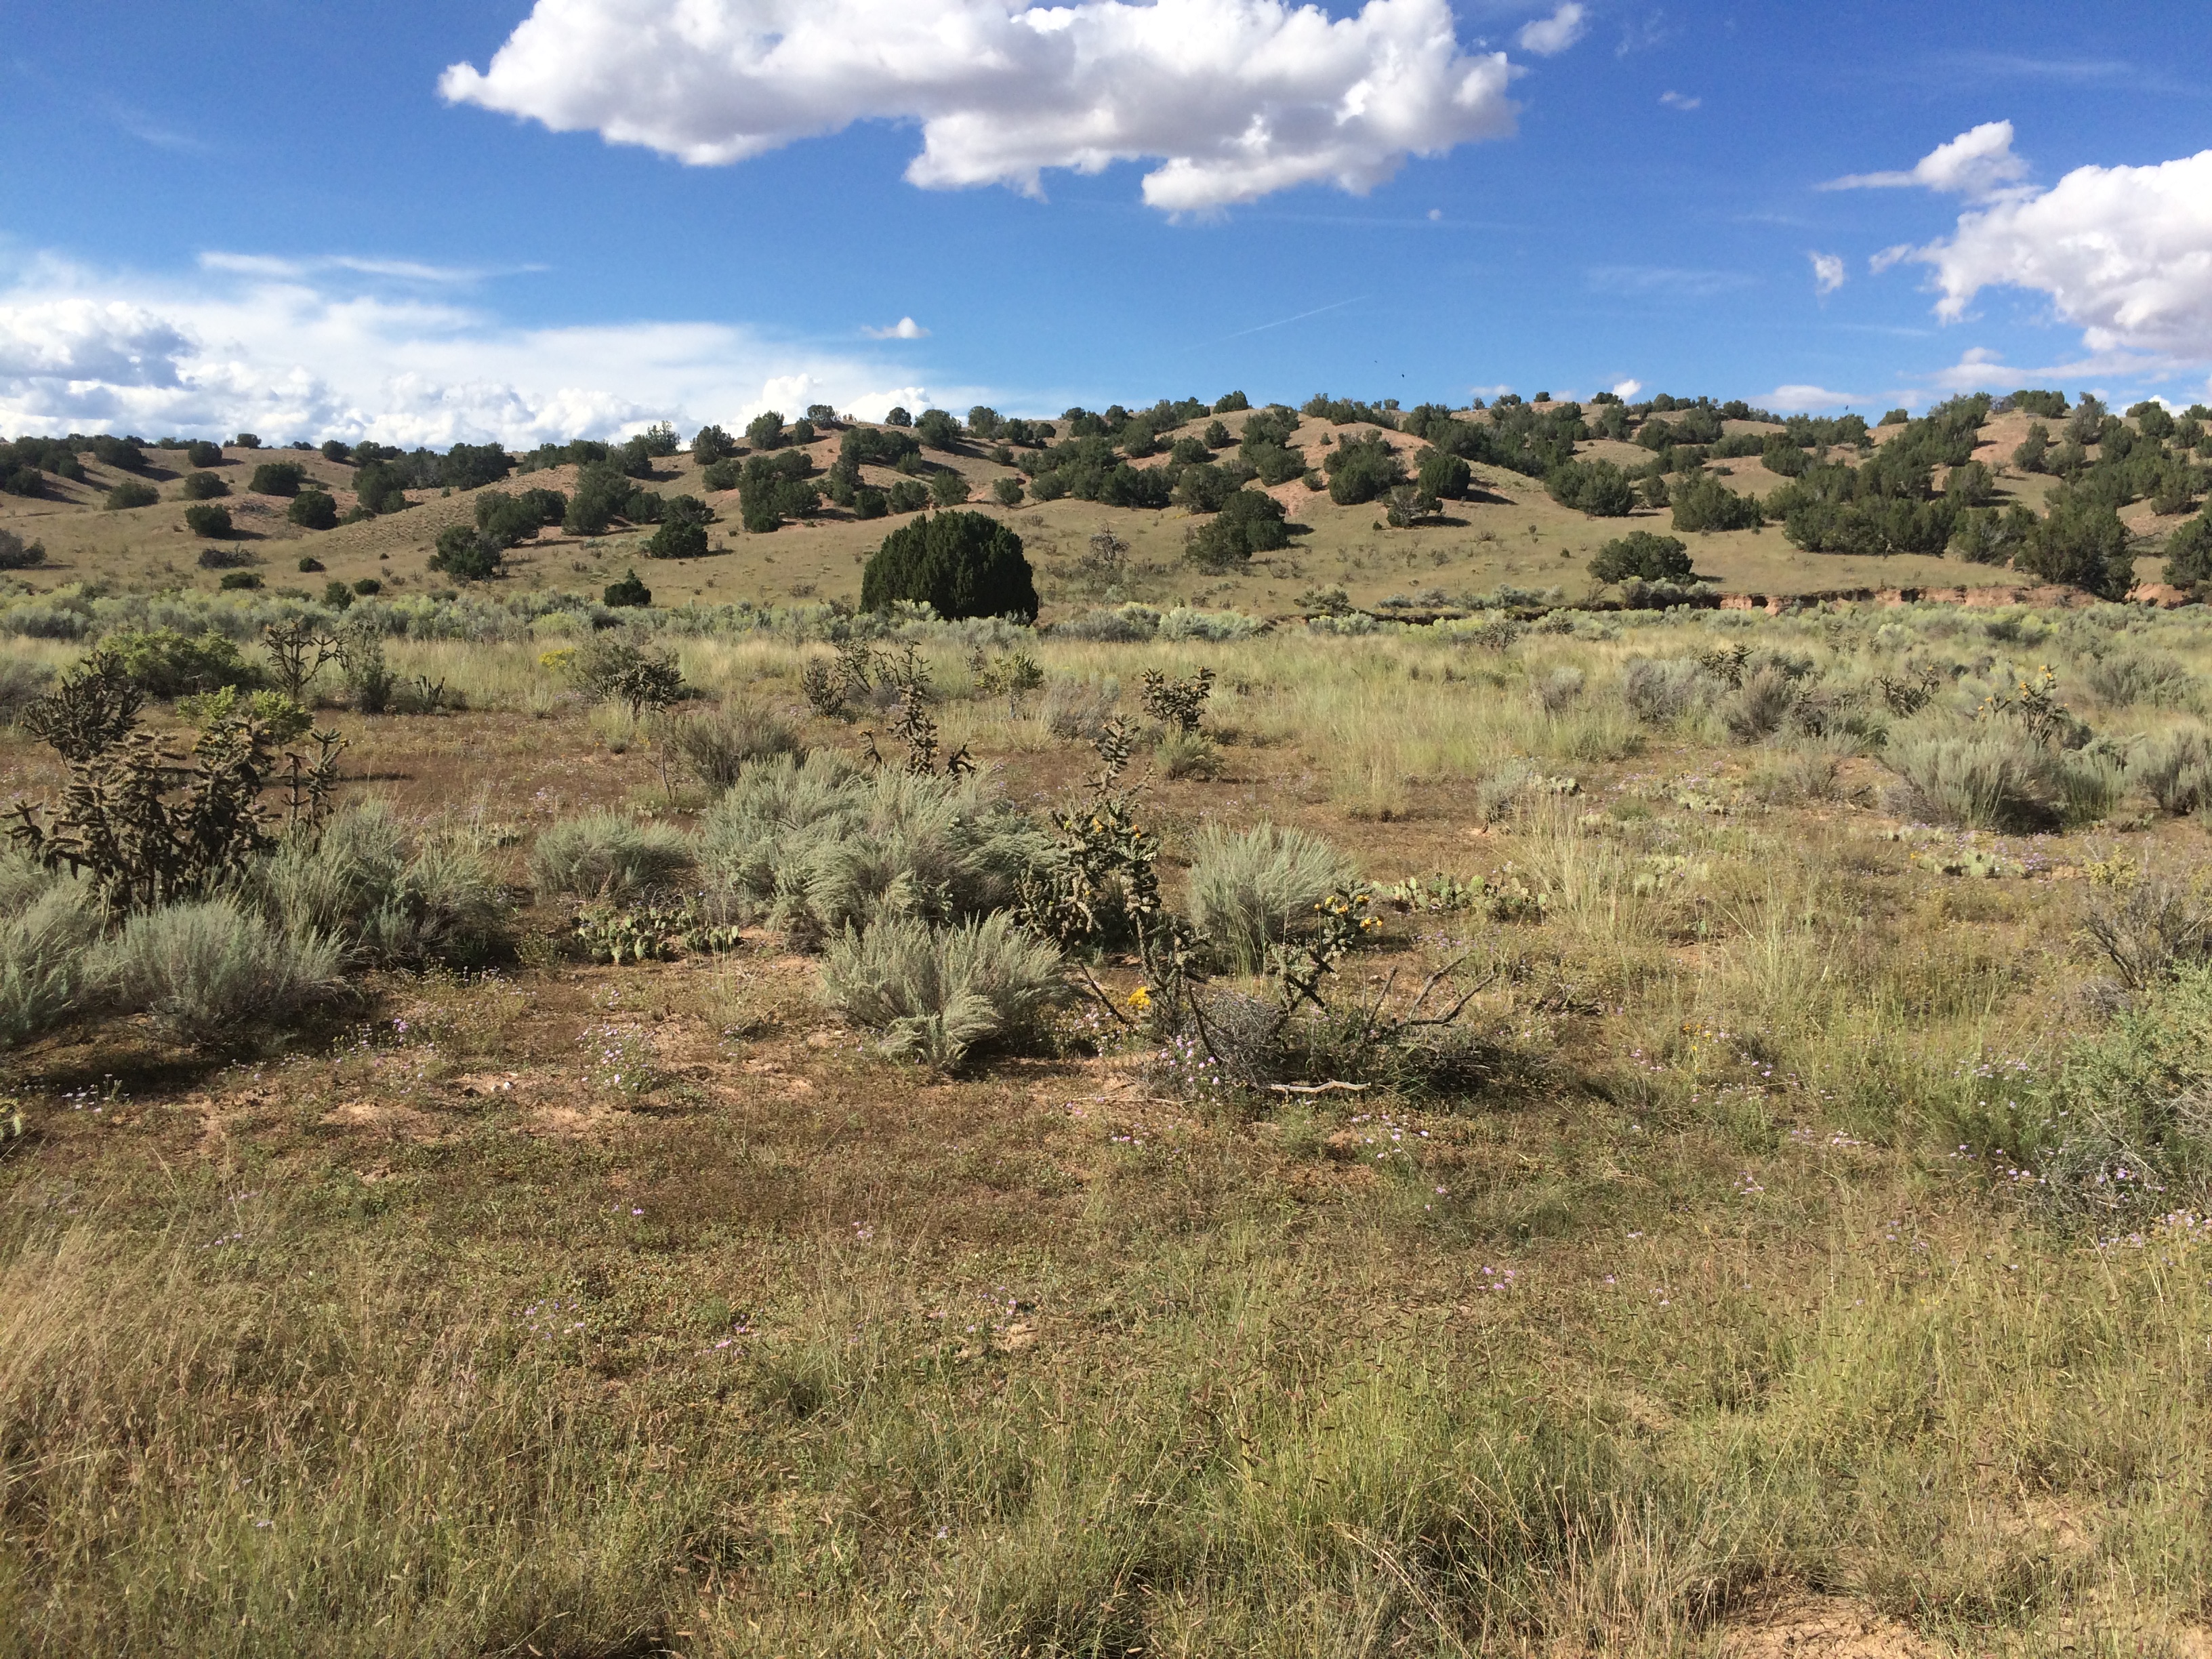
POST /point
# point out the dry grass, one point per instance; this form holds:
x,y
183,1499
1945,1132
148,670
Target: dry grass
x,y
610,1311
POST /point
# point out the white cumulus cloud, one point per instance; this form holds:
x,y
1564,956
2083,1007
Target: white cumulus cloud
x,y
1792,398
2124,254
1549,36
1680,101
1979,163
1827,272
242,343
1627,389
1234,99
905,328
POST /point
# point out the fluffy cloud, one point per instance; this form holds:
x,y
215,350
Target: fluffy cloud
x,y
1680,100
1978,163
1791,398
1236,98
2124,254
242,344
905,328
1549,36
1627,390
1827,272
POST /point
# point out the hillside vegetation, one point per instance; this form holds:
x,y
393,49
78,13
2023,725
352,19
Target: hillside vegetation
x,y
1273,511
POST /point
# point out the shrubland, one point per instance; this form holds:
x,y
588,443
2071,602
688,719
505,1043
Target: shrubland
x,y
604,1127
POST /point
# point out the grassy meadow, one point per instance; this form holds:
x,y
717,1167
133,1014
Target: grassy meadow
x,y
1794,1245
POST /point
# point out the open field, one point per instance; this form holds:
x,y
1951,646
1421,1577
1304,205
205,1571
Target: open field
x,y
1794,1246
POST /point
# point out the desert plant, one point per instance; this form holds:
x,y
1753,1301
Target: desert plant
x,y
22,683
2127,1123
203,487
2146,929
1251,890
164,663
95,705
283,718
1556,690
369,681
2088,784
208,520
936,993
129,494
1992,780
16,554
653,929
1181,754
201,453
2125,677
363,883
1013,675
209,971
1659,689
1640,554
614,670
277,478
314,509
1078,708
2175,770
608,855
960,564
1757,708
50,928
716,747
1178,704
297,651
628,593
816,845
468,554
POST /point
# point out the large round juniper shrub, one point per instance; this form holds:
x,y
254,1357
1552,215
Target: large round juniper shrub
x,y
277,478
468,554
1641,555
314,509
203,453
1248,522
630,592
203,486
962,564
206,520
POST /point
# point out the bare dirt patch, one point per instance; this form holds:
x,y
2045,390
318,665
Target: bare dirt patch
x,y
1824,1627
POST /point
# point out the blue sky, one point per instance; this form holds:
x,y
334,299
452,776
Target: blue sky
x,y
288,216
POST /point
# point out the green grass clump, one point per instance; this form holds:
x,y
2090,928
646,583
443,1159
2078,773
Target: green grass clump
x,y
608,855
819,845
363,880
935,992
1251,890
1990,780
50,929
211,973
